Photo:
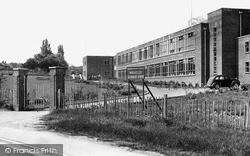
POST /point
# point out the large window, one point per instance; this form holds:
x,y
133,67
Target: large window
x,y
171,45
119,60
172,68
180,44
181,67
151,71
157,49
247,47
247,67
165,71
151,51
191,40
140,54
145,53
190,67
157,70
164,47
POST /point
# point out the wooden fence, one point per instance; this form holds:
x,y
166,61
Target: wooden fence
x,y
210,114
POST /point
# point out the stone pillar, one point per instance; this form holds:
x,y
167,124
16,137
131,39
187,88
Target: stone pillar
x,y
19,88
57,82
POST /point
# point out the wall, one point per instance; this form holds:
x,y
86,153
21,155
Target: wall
x,y
243,57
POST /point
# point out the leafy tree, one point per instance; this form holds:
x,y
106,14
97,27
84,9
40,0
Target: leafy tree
x,y
60,51
46,58
31,63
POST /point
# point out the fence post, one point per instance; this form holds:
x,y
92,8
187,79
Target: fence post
x,y
105,103
248,116
165,106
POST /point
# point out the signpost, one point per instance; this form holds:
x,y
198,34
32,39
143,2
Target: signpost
x,y
136,73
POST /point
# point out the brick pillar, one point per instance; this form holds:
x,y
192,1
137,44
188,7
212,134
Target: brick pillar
x,y
57,81
19,88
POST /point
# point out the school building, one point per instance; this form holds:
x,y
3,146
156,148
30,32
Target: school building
x,y
98,67
192,55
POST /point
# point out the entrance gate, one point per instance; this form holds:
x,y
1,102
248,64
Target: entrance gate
x,y
37,92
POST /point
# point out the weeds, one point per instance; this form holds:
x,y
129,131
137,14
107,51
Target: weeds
x,y
161,134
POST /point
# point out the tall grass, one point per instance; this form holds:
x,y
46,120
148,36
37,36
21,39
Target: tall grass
x,y
151,133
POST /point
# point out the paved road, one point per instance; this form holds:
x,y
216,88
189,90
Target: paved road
x,y
24,127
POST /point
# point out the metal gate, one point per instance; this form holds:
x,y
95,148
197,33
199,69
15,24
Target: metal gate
x,y
38,94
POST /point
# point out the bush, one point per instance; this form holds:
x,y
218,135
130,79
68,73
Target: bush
x,y
190,85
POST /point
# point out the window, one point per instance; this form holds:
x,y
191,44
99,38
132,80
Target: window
x,y
191,40
151,51
157,70
180,44
106,62
215,50
222,78
123,59
130,57
172,68
119,60
107,73
165,71
146,71
171,46
247,70
190,67
246,47
157,49
145,53
190,35
126,58
151,71
164,47
181,67
140,54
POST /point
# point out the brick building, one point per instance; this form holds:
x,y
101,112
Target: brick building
x,y
96,67
193,54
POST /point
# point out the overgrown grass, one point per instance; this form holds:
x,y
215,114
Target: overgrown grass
x,y
155,134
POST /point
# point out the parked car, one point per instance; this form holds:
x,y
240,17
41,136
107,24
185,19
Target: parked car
x,y
222,81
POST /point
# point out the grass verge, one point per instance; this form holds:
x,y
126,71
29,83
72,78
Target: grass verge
x,y
155,134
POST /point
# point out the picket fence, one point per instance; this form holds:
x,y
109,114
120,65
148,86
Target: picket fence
x,y
211,114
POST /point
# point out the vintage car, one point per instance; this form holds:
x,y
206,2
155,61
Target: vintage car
x,y
222,81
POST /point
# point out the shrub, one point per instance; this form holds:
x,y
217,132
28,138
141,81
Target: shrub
x,y
190,85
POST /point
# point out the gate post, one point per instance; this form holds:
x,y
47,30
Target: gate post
x,y
19,88
57,81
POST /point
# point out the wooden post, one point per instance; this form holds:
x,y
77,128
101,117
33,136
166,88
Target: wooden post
x,y
240,117
213,115
165,106
105,103
235,126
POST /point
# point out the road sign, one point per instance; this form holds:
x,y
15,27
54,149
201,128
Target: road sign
x,y
135,73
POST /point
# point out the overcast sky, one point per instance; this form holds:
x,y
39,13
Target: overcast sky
x,y
94,27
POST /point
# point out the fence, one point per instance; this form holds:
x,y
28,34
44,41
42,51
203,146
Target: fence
x,y
210,114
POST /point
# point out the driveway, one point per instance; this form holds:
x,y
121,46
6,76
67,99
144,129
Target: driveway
x,y
25,127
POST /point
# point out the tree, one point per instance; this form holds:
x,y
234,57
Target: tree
x,y
60,50
31,63
46,58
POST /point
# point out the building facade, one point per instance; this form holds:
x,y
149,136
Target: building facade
x,y
244,59
193,54
98,67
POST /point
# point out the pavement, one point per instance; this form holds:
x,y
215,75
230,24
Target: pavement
x,y
26,128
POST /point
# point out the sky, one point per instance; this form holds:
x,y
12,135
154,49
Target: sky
x,y
94,27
